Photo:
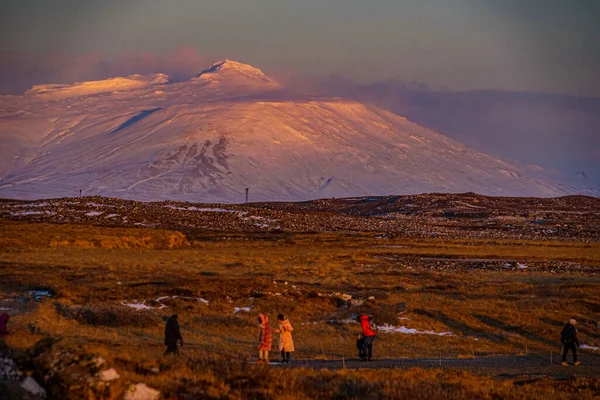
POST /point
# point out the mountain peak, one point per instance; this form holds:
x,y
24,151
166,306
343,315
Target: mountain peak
x,y
233,71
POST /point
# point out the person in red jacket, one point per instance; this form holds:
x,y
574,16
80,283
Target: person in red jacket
x,y
369,333
264,339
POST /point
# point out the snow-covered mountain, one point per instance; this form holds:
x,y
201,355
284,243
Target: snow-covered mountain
x,y
230,128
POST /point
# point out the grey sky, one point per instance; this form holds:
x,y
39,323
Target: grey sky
x,y
526,45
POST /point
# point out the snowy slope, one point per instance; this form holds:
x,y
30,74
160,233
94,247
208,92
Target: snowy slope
x,y
229,128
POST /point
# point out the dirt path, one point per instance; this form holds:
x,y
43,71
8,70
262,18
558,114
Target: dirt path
x,y
505,366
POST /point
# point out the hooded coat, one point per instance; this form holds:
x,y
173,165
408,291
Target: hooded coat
x,y
286,343
172,334
265,337
365,324
3,322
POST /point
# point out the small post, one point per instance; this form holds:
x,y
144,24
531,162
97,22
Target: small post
x,y
80,192
472,352
246,195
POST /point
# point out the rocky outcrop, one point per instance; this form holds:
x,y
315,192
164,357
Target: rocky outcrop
x,y
49,370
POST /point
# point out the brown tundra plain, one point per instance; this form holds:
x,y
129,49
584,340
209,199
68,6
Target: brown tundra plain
x,y
470,294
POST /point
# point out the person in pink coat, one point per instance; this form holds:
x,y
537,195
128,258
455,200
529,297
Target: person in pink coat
x,y
264,339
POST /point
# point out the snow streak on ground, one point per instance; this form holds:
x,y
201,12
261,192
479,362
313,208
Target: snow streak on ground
x,y
141,305
410,331
385,328
585,346
200,209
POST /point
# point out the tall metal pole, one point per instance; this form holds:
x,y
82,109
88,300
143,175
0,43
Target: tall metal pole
x,y
246,195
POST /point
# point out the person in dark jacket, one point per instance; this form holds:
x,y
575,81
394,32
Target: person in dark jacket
x,y
3,325
369,334
172,335
568,338
360,342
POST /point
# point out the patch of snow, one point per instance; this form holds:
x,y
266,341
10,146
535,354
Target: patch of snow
x,y
410,331
344,321
100,205
31,205
585,346
221,210
22,213
138,306
142,306
240,309
198,299
111,215
522,266
94,213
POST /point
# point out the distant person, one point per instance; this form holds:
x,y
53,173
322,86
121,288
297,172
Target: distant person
x,y
568,338
172,335
369,333
360,342
4,325
286,343
265,338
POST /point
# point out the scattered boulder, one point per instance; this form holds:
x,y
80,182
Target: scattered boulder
x,y
33,387
341,303
109,375
141,392
8,369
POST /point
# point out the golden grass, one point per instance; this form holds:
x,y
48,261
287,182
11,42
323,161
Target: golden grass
x,y
508,312
27,235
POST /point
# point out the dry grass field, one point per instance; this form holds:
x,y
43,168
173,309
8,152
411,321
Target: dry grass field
x,y
490,297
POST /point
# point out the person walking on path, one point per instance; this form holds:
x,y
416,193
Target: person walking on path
x,y
569,340
3,325
265,338
369,333
172,335
286,343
